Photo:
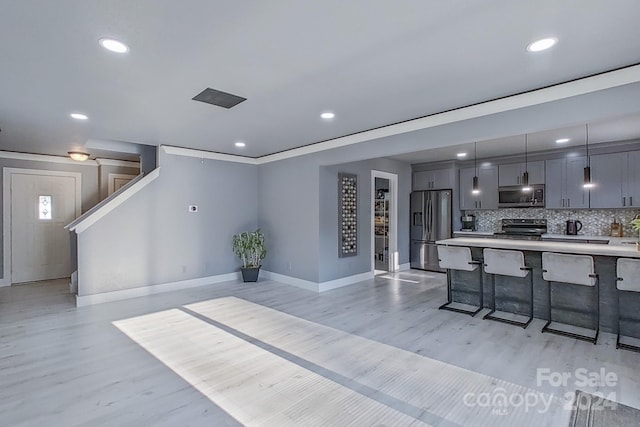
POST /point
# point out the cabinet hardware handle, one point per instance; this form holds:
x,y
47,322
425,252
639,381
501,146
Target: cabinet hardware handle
x,y
568,202
624,201
630,200
563,202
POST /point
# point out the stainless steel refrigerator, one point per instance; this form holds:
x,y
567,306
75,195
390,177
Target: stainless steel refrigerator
x,y
430,221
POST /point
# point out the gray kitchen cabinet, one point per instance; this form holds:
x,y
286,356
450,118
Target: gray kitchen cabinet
x,y
616,179
564,178
555,190
438,179
632,189
512,173
608,175
488,184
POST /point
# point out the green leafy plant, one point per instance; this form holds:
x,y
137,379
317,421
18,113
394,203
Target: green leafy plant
x,y
635,223
249,247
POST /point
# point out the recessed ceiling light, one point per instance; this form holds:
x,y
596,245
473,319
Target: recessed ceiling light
x,y
240,144
461,154
327,115
114,45
562,140
78,116
542,44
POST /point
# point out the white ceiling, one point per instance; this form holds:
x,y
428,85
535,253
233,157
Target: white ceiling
x,y
372,63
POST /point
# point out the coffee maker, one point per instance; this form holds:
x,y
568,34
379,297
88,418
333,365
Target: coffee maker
x,y
468,222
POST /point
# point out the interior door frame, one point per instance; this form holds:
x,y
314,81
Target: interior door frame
x,y
111,177
394,264
6,209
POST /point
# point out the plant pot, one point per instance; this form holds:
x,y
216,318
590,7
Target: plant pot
x,y
250,274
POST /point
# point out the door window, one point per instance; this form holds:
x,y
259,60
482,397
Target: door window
x,y
44,208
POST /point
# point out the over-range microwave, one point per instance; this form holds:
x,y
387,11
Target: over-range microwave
x,y
514,197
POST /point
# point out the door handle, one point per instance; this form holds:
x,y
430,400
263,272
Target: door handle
x,y
568,202
624,200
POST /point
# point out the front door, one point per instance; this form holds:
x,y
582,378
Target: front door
x,y
41,206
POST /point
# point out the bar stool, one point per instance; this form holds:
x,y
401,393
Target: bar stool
x,y
628,280
511,264
574,270
459,258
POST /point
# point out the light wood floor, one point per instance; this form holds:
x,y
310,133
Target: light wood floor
x,y
374,353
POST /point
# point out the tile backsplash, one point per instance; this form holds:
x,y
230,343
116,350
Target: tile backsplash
x,y
595,222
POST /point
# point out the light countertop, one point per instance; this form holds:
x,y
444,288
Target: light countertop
x,y
615,248
474,233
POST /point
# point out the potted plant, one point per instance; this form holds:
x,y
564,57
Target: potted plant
x,y
635,223
249,247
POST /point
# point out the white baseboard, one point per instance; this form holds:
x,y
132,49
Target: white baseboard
x,y
288,280
84,300
345,281
404,267
315,286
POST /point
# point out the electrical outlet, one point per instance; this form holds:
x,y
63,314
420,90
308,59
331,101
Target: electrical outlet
x,y
193,208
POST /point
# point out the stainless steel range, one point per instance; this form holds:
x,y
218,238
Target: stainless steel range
x,y
522,229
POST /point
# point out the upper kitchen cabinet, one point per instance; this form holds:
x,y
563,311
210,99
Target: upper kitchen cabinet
x,y
512,174
607,175
439,179
632,190
487,183
616,178
565,177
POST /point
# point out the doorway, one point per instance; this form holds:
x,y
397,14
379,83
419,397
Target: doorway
x,y
384,189
37,206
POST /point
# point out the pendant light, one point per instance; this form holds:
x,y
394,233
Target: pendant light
x,y
525,175
587,183
475,188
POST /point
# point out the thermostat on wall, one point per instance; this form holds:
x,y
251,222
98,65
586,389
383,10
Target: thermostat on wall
x,y
193,208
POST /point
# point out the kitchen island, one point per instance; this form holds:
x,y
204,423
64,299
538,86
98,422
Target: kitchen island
x,y
513,296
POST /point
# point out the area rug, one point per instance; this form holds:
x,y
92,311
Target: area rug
x,y
592,411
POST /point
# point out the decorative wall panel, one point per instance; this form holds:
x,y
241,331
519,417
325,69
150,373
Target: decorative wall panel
x,y
347,215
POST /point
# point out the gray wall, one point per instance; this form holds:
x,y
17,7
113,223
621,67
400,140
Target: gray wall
x,y
89,185
288,214
331,266
153,239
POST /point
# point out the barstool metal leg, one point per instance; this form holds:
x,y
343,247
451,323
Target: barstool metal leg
x,y
618,343
472,313
490,316
594,339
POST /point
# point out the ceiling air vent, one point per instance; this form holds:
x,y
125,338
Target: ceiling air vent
x,y
219,98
